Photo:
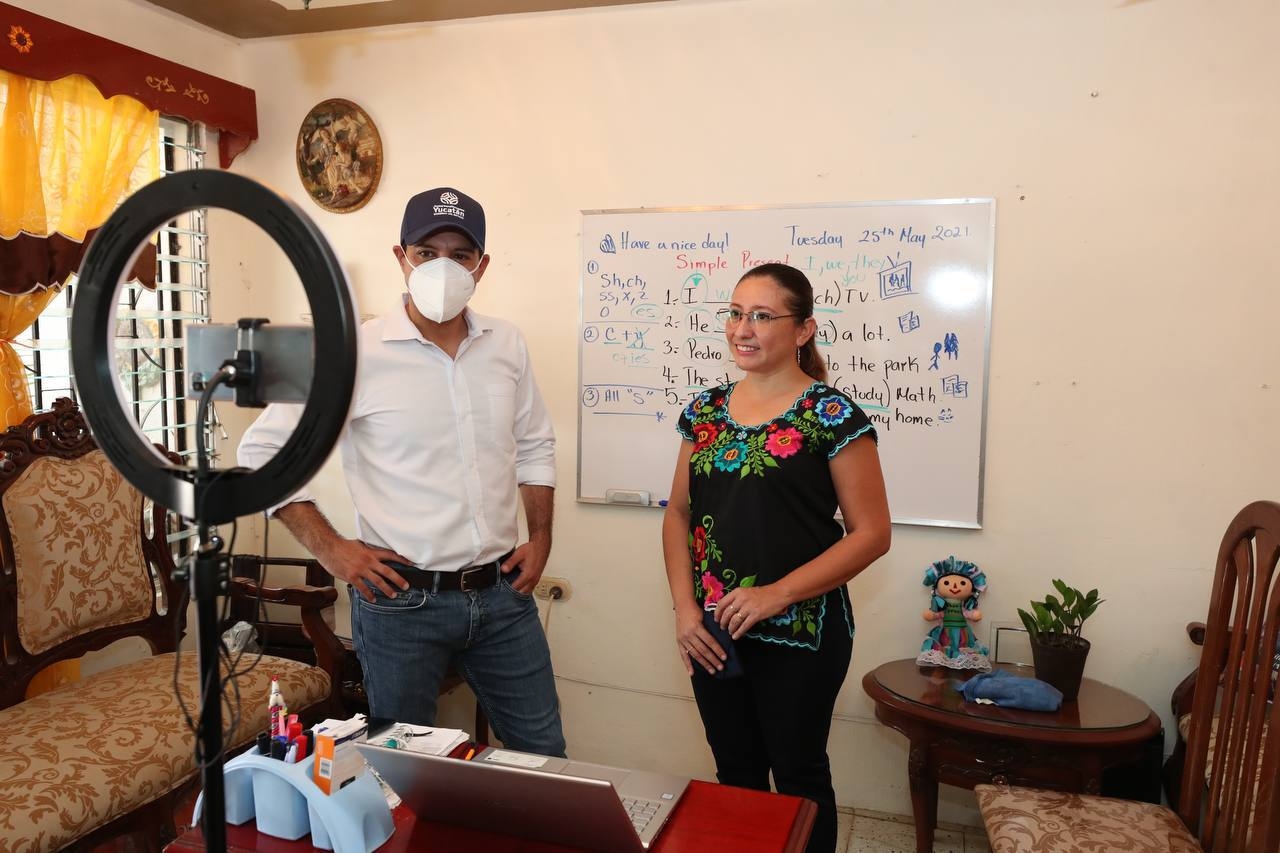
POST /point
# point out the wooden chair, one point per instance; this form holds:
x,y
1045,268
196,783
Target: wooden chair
x,y
1230,785
84,562
1180,702
289,639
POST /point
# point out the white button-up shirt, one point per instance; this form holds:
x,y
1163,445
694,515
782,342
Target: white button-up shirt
x,y
434,446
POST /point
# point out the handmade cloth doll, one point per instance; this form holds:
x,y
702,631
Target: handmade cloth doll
x,y
955,586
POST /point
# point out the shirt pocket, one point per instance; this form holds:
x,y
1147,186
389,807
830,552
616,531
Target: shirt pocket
x,y
501,400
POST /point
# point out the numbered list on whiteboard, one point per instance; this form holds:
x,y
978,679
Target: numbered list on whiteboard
x,y
902,305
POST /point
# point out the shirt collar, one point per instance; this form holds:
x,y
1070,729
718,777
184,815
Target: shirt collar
x,y
398,327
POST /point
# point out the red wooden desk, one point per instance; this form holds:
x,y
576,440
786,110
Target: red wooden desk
x,y
709,817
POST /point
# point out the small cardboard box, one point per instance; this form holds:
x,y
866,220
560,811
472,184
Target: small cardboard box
x,y
337,762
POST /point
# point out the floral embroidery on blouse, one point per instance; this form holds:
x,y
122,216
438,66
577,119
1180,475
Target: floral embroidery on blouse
x,y
766,492
720,443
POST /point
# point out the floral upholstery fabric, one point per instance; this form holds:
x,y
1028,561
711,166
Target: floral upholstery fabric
x,y
80,756
1023,819
76,549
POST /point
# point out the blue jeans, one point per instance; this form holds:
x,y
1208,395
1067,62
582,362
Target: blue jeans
x,y
493,637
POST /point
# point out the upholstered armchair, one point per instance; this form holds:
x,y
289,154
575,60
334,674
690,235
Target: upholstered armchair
x,y
84,562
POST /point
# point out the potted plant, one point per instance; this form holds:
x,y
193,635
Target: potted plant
x,y
1057,648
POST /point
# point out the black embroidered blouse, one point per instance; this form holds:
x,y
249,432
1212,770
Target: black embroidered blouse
x,y
762,501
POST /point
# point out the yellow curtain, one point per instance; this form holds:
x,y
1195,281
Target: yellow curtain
x,y
17,313
68,157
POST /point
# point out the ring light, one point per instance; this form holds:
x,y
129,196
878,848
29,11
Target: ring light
x,y
213,497
232,493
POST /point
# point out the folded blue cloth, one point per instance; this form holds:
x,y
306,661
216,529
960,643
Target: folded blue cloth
x,y
1012,691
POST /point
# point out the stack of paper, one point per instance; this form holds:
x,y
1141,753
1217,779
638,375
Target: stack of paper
x,y
433,741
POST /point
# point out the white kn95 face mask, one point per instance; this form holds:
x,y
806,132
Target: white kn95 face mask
x,y
441,288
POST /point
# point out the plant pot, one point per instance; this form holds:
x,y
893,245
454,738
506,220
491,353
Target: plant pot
x,y
1059,660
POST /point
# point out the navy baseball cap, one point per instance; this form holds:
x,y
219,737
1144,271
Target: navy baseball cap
x,y
444,207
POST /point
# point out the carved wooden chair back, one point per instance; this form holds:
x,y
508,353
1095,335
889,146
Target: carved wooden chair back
x,y
1234,740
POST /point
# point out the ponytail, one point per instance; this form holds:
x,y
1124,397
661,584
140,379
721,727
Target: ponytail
x,y
811,361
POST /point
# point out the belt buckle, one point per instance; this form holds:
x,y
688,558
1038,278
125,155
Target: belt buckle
x,y
463,582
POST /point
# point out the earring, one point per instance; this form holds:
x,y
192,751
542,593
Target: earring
x,y
797,355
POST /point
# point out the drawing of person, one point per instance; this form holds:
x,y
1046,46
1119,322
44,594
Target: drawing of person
x,y
320,146
345,124
337,171
933,361
951,345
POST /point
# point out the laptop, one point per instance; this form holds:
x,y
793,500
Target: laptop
x,y
556,800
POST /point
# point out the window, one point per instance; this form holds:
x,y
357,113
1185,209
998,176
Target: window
x,y
149,354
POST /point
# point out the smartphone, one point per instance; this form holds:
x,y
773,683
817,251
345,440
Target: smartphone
x,y
285,357
732,665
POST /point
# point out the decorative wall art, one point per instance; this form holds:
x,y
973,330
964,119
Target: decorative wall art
x,y
339,155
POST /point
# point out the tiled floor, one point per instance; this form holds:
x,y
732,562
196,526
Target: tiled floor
x,y
877,832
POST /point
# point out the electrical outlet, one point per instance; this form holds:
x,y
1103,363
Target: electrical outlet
x,y
552,589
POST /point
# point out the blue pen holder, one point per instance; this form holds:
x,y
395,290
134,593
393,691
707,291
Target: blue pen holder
x,y
287,804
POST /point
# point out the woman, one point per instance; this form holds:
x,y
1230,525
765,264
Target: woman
x,y
750,530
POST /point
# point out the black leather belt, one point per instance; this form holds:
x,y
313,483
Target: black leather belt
x,y
464,580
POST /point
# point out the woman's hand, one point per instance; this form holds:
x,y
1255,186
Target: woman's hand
x,y
745,606
695,643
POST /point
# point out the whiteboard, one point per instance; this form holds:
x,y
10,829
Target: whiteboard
x,y
902,299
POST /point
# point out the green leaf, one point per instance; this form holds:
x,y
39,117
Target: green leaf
x,y
750,580
795,627
770,462
811,627
1060,616
1028,622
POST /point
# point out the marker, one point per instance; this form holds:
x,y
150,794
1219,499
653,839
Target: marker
x,y
662,503
470,754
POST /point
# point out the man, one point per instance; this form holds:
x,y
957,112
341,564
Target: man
x,y
446,427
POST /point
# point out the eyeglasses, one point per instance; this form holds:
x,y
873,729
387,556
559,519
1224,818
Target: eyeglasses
x,y
732,317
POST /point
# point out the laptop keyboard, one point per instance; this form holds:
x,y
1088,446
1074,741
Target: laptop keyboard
x,y
641,811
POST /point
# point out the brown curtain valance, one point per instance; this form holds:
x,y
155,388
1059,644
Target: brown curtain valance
x,y
44,49
36,262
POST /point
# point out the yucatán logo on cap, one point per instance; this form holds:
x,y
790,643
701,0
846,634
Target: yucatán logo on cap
x,y
449,206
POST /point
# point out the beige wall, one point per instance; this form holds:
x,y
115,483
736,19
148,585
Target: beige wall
x,y
145,27
1133,394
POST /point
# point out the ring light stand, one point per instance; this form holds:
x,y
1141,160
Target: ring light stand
x,y
218,496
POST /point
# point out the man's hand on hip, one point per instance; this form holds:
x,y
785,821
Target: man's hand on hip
x,y
531,559
361,566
